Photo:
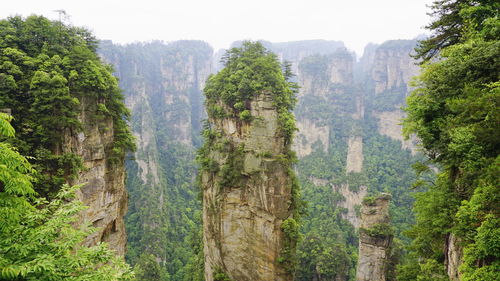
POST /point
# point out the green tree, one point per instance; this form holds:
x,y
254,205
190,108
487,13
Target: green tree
x,y
454,112
38,239
453,20
50,76
148,269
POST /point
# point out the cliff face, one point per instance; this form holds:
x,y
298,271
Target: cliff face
x,y
351,200
453,257
392,66
375,239
242,221
391,70
350,140
389,124
162,84
103,182
250,194
327,80
345,111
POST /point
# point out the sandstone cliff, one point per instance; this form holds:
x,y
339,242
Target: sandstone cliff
x,y
103,181
242,221
453,257
249,192
392,66
375,239
391,69
162,85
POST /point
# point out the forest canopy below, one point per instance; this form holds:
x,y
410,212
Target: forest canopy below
x,y
445,216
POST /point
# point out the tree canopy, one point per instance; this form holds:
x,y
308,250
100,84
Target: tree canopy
x,y
248,71
453,22
38,239
50,74
454,112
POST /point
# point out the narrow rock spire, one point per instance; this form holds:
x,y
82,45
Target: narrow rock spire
x,y
249,188
375,239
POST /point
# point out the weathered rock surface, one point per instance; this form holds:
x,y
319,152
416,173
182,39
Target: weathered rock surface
x,y
352,200
162,85
103,189
308,135
375,239
453,259
242,221
392,65
389,124
354,162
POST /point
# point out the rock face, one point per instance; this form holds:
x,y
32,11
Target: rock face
x,y
309,135
392,65
375,239
103,189
162,85
389,124
354,162
454,255
352,199
242,216
391,70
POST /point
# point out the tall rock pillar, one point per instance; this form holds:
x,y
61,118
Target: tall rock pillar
x,y
375,239
249,227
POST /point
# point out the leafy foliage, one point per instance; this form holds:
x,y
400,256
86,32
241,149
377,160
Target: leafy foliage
x,y
380,230
50,77
248,71
454,21
164,216
38,239
454,111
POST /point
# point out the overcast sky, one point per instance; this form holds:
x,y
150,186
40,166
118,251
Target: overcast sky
x,y
220,22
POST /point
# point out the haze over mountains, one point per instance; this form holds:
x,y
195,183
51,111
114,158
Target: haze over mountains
x,y
349,142
290,160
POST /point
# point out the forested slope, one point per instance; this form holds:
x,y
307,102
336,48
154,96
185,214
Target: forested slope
x,y
163,85
349,145
454,110
62,122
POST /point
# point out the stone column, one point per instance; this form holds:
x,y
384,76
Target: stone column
x,y
247,197
375,239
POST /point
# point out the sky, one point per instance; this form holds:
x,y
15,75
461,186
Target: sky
x,y
220,22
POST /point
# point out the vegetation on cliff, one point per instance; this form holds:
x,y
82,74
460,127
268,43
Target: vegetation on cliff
x,y
249,72
49,71
38,239
162,83
50,79
454,111
330,246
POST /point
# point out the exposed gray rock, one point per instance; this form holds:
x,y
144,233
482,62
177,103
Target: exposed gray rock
x,y
242,232
375,239
454,255
103,189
